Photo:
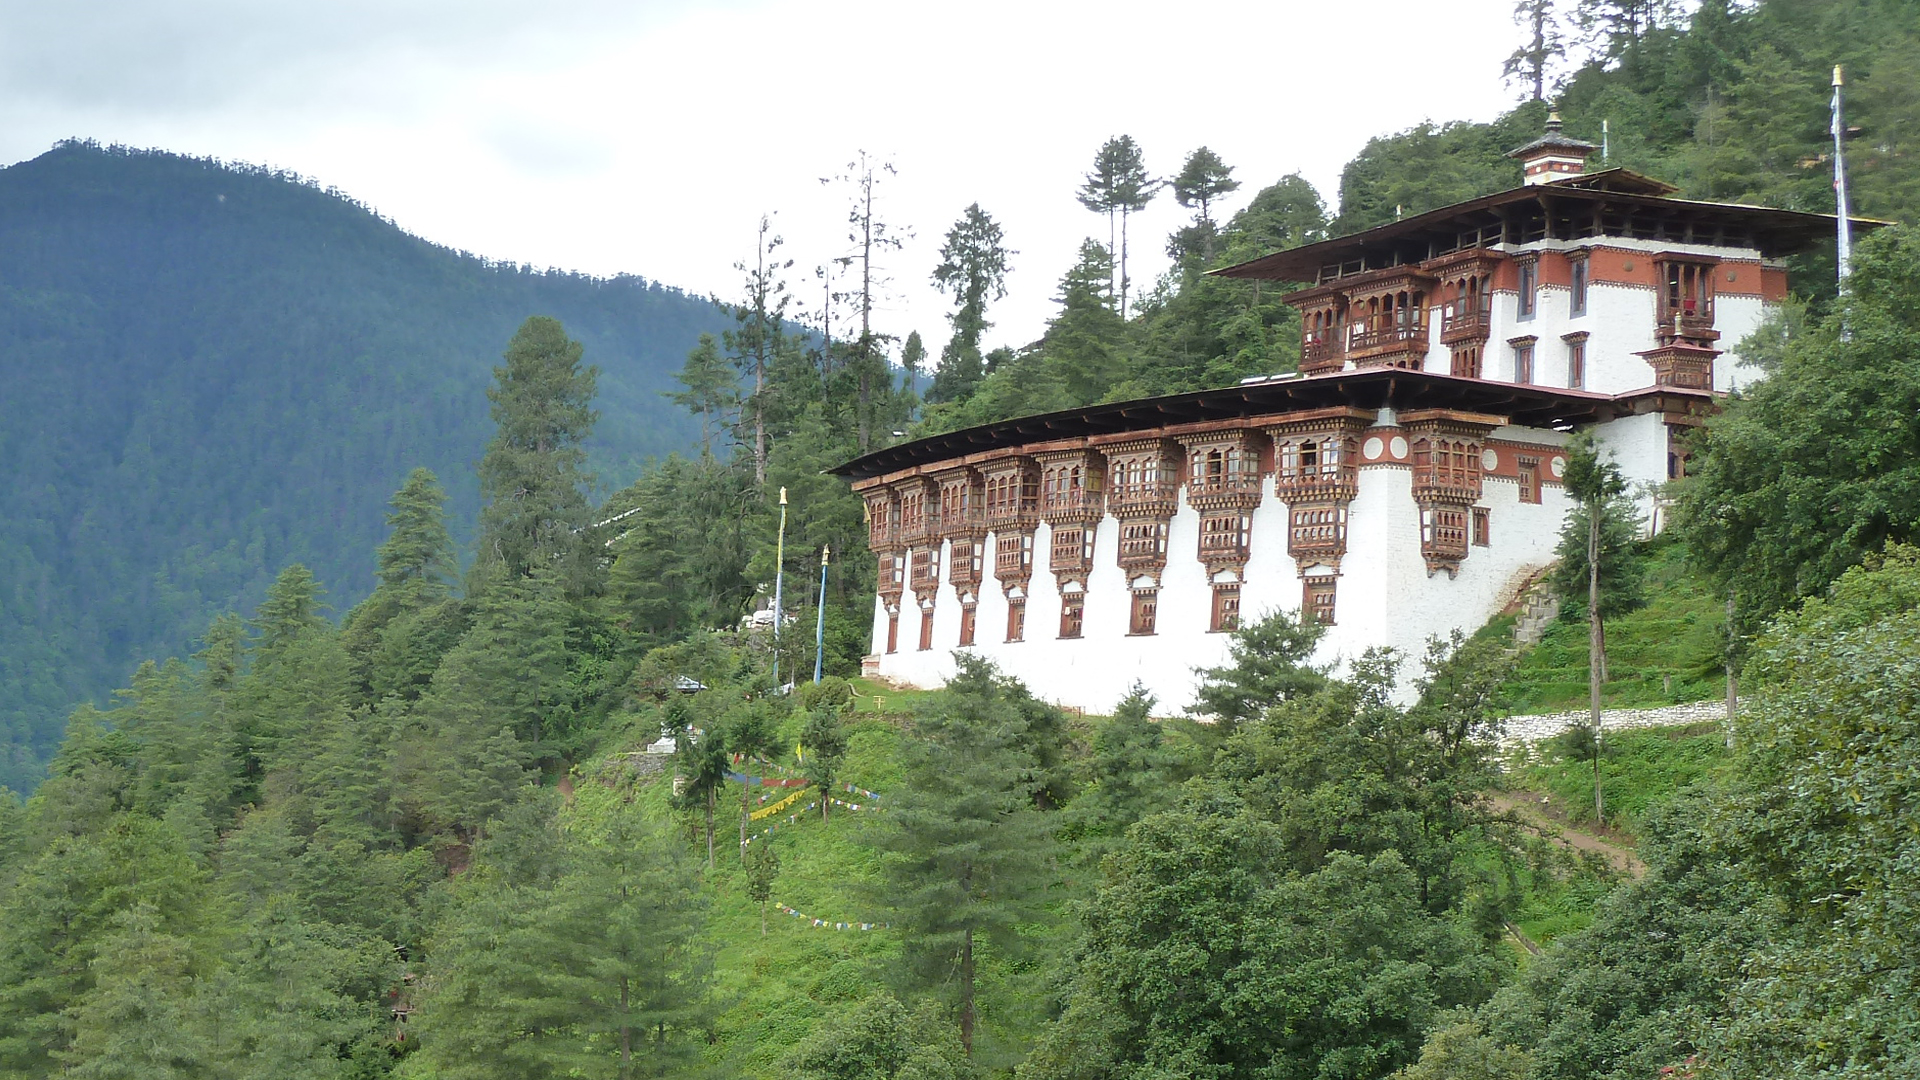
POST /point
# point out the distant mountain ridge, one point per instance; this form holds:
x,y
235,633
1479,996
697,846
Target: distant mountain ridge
x,y
208,371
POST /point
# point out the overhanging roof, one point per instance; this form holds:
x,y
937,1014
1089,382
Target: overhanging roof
x,y
1529,406
1778,232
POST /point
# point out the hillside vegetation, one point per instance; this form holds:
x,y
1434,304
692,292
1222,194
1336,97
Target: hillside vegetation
x,y
213,371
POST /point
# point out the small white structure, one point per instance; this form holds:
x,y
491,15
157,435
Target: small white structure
x,y
1405,485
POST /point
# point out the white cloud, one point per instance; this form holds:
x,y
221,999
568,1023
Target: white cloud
x,y
612,137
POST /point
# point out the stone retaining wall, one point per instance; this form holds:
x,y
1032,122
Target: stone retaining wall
x,y
1532,729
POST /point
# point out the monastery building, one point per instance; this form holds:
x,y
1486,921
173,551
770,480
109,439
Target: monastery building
x,y
1404,483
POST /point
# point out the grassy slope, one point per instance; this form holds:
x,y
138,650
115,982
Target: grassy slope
x,y
1640,770
1676,636
774,990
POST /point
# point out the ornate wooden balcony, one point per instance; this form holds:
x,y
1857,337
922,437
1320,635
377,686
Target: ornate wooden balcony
x,y
964,562
1459,322
1158,498
1143,546
1388,346
1074,504
919,528
1013,557
963,521
1326,352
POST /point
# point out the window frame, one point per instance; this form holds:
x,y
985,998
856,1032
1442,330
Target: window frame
x,y
1143,613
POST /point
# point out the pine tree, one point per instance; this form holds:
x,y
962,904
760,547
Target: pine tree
x,y
1595,485
759,339
1203,179
763,868
534,473
623,933
711,390
973,271
1270,664
871,236
291,609
415,563
136,1022
965,842
825,741
1118,186
1529,63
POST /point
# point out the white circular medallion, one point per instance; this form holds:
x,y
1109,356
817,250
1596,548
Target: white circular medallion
x,y
1557,467
1372,448
1489,460
1399,447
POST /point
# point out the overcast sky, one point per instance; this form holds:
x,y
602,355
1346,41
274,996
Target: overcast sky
x,y
649,137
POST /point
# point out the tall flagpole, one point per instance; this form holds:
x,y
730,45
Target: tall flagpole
x,y
1840,182
820,618
779,566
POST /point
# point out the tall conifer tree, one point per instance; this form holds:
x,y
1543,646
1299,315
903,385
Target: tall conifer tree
x,y
534,473
965,840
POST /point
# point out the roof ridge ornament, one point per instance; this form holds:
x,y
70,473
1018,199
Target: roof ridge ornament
x,y
1555,155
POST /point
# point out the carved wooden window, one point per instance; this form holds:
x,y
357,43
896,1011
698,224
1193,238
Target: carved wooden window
x,y
1523,362
893,631
1072,548
1220,468
1529,480
967,614
1016,620
1466,361
1012,554
913,511
897,570
1225,536
1468,308
1529,300
926,629
1319,599
1067,486
1451,463
966,560
1226,608
1443,530
1146,603
1311,461
1576,361
1072,615
1482,526
926,568
1577,291
1317,529
1142,540
1689,291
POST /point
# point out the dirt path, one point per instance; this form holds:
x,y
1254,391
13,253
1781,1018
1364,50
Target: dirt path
x,y
1542,817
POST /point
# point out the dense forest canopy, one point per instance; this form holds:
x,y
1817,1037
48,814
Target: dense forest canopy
x,y
212,371
424,836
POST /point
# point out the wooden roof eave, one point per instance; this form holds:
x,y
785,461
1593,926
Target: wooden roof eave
x,y
1303,263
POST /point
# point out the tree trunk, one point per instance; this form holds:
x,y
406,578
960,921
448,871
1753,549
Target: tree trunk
x,y
966,991
1733,686
763,918
1123,265
1596,652
745,789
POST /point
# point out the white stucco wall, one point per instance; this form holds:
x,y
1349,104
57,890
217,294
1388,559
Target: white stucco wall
x,y
1385,595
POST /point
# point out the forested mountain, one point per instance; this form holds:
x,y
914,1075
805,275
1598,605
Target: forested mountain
x,y
211,371
431,840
